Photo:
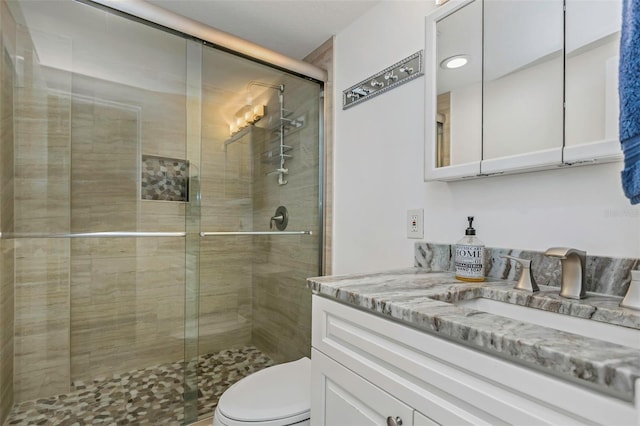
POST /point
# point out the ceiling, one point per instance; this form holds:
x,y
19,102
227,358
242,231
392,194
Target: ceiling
x,y
292,27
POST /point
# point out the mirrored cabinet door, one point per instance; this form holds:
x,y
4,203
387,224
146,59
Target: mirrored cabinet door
x,y
454,94
517,86
522,85
592,40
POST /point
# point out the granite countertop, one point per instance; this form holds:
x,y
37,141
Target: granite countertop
x,y
420,298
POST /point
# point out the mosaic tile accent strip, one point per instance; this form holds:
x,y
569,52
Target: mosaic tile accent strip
x,y
604,275
150,396
165,179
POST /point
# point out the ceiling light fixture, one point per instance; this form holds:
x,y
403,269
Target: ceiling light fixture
x,y
454,62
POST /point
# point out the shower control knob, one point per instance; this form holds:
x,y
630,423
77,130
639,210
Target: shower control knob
x,y
280,219
394,421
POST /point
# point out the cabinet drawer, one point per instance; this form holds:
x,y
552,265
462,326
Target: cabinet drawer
x,y
347,399
452,383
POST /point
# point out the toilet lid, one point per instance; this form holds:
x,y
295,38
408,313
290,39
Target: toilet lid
x,y
274,393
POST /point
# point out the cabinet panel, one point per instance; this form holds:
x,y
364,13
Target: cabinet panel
x,y
452,383
453,96
522,96
420,419
351,400
592,46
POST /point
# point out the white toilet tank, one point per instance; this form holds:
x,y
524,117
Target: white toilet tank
x,y
276,396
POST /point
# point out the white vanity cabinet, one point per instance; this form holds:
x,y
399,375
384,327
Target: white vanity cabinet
x,y
345,398
370,370
351,400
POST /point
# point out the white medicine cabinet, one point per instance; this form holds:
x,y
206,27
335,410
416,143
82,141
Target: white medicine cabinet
x,y
517,86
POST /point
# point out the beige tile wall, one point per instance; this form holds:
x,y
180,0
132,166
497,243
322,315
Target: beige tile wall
x,y
225,315
127,309
41,362
281,300
7,36
127,294
41,167
104,150
6,329
91,307
254,287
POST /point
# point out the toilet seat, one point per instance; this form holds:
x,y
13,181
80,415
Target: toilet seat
x,y
276,396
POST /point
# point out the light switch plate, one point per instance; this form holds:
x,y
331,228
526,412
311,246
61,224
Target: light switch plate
x,y
415,223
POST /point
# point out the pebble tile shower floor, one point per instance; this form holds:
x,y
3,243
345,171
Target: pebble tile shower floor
x,y
152,396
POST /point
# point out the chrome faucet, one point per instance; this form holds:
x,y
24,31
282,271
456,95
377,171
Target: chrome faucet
x,y
573,266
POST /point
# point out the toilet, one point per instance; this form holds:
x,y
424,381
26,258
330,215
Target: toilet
x,y
276,396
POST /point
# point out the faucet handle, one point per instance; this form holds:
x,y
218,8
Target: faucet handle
x,y
632,298
526,281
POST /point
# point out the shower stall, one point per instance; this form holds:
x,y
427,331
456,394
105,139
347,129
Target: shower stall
x,y
146,177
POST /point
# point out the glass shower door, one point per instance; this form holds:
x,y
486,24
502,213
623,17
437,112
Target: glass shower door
x,y
260,151
149,173
106,215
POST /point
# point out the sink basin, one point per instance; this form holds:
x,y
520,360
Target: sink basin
x,y
617,334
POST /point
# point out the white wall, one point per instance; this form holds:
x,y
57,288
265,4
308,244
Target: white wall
x,y
379,171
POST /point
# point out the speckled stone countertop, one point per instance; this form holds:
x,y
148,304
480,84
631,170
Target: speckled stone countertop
x,y
421,299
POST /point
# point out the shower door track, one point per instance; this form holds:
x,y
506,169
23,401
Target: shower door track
x,y
223,233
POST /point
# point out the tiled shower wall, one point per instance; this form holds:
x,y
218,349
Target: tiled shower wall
x,y
281,301
7,36
253,288
127,294
90,307
41,166
225,315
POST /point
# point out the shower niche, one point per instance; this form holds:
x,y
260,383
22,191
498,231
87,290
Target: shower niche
x,y
164,179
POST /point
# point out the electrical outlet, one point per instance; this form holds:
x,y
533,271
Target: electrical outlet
x,y
415,223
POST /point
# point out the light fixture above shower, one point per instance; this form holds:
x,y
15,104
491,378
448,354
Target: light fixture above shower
x,y
246,116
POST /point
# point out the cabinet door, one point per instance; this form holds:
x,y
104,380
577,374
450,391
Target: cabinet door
x,y
420,419
592,46
341,397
